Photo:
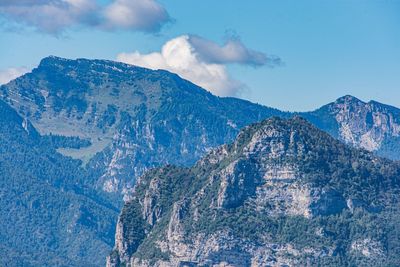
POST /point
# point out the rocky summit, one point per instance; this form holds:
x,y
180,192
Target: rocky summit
x,y
282,194
372,126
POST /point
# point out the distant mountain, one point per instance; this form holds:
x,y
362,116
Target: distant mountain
x,y
47,216
372,126
135,118
282,194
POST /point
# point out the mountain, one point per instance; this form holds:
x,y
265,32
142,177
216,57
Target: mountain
x,y
282,194
372,126
47,216
76,134
135,118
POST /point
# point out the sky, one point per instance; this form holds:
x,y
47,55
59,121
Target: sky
x,y
291,55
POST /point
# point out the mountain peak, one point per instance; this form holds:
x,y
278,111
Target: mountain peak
x,y
90,64
348,99
276,138
281,125
52,60
368,125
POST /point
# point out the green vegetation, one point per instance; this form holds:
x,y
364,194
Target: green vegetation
x,y
48,216
60,141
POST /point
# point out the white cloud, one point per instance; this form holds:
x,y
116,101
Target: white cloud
x,y
200,61
179,56
11,73
135,14
48,15
54,16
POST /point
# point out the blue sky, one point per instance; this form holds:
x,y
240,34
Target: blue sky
x,y
325,49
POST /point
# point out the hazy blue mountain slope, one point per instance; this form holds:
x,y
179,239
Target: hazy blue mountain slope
x,y
47,217
282,194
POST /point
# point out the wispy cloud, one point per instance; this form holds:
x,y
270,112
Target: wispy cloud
x,y
202,61
55,16
9,74
233,51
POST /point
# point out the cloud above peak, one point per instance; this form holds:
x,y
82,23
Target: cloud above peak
x,y
55,16
202,61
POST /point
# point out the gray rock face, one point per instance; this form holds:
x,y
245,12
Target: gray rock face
x,y
372,126
364,125
151,211
268,199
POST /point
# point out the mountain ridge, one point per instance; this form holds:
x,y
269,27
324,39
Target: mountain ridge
x,y
153,117
283,193
137,115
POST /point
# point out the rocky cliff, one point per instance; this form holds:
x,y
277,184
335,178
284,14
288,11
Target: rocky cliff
x,y
372,126
282,194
